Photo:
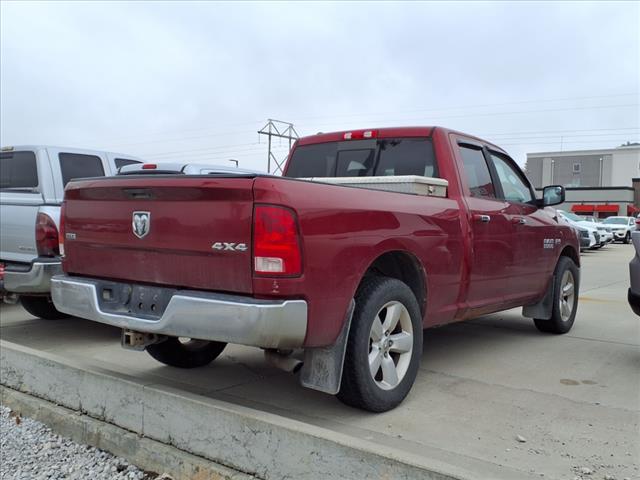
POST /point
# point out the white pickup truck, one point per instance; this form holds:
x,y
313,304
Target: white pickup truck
x,y
32,181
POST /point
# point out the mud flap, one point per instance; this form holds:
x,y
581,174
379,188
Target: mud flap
x,y
543,309
322,368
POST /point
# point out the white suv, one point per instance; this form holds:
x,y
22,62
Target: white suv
x,y
621,227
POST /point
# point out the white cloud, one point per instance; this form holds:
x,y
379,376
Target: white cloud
x,y
152,77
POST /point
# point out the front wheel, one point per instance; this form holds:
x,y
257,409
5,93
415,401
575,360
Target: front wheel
x,y
186,353
384,346
41,307
627,237
565,298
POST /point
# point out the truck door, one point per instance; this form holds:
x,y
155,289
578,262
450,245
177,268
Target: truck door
x,y
535,239
494,250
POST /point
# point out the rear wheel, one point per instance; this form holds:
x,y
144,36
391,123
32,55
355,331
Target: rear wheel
x,y
41,307
384,346
186,352
565,298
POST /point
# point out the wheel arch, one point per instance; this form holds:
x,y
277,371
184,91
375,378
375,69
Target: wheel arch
x,y
570,251
404,266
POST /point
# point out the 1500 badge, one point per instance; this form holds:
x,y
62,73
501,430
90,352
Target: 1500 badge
x,y
550,243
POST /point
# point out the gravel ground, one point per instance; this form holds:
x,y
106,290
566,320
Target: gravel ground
x,y
29,450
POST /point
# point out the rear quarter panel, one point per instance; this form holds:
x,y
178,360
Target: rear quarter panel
x,y
344,229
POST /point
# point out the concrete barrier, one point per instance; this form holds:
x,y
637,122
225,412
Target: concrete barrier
x,y
243,439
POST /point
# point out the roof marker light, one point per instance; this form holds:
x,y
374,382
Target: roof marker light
x,y
360,134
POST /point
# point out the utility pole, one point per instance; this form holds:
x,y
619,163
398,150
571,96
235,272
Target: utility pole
x,y
280,129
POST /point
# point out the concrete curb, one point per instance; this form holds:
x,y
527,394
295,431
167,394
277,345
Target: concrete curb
x,y
143,452
246,440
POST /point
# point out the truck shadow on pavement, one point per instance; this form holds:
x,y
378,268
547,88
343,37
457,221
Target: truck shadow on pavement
x,y
241,375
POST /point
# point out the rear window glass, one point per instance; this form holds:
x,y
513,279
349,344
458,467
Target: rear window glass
x,y
77,165
385,156
18,170
121,162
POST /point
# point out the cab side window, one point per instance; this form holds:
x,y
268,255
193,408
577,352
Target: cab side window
x,y
513,185
477,171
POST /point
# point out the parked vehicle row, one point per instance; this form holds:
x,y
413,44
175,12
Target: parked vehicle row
x,y
620,227
369,237
32,182
595,234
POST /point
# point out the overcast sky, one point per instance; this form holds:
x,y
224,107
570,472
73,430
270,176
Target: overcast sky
x,y
195,81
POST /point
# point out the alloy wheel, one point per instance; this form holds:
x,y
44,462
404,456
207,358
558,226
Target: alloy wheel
x,y
390,345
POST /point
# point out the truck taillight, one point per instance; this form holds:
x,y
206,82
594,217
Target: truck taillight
x,y
46,236
61,230
276,243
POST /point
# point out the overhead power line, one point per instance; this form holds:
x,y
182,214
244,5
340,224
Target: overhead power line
x,y
561,131
118,141
463,107
491,114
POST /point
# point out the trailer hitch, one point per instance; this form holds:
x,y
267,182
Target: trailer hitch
x,y
132,340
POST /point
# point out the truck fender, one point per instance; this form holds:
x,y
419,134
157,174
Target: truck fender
x,y
322,368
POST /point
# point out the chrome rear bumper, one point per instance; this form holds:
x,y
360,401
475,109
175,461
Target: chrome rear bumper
x,y
195,314
31,278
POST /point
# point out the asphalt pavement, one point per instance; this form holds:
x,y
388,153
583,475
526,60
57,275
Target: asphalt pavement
x,y
493,389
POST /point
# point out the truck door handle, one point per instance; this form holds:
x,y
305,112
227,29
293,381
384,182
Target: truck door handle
x,y
482,218
519,220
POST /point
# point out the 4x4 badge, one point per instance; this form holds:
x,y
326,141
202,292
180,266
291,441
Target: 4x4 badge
x,y
141,223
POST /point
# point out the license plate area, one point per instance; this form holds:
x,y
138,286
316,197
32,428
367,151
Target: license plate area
x,y
137,300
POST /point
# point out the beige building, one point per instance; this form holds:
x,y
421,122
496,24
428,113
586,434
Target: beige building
x,y
599,182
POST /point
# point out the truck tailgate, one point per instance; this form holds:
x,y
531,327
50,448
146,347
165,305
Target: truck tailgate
x,y
181,243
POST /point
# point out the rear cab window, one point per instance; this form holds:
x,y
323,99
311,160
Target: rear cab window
x,y
78,165
121,162
18,171
363,158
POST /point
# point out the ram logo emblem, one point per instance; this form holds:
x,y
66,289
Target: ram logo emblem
x,y
141,223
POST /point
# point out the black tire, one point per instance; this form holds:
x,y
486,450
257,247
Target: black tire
x,y
359,388
189,354
557,324
627,238
41,307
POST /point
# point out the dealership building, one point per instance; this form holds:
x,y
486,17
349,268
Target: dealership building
x,y
598,182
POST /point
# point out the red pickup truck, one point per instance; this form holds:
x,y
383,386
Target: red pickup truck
x,y
188,261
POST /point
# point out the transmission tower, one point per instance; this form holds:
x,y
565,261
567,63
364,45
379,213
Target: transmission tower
x,y
280,129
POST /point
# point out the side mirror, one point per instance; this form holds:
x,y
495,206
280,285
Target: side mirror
x,y
552,195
